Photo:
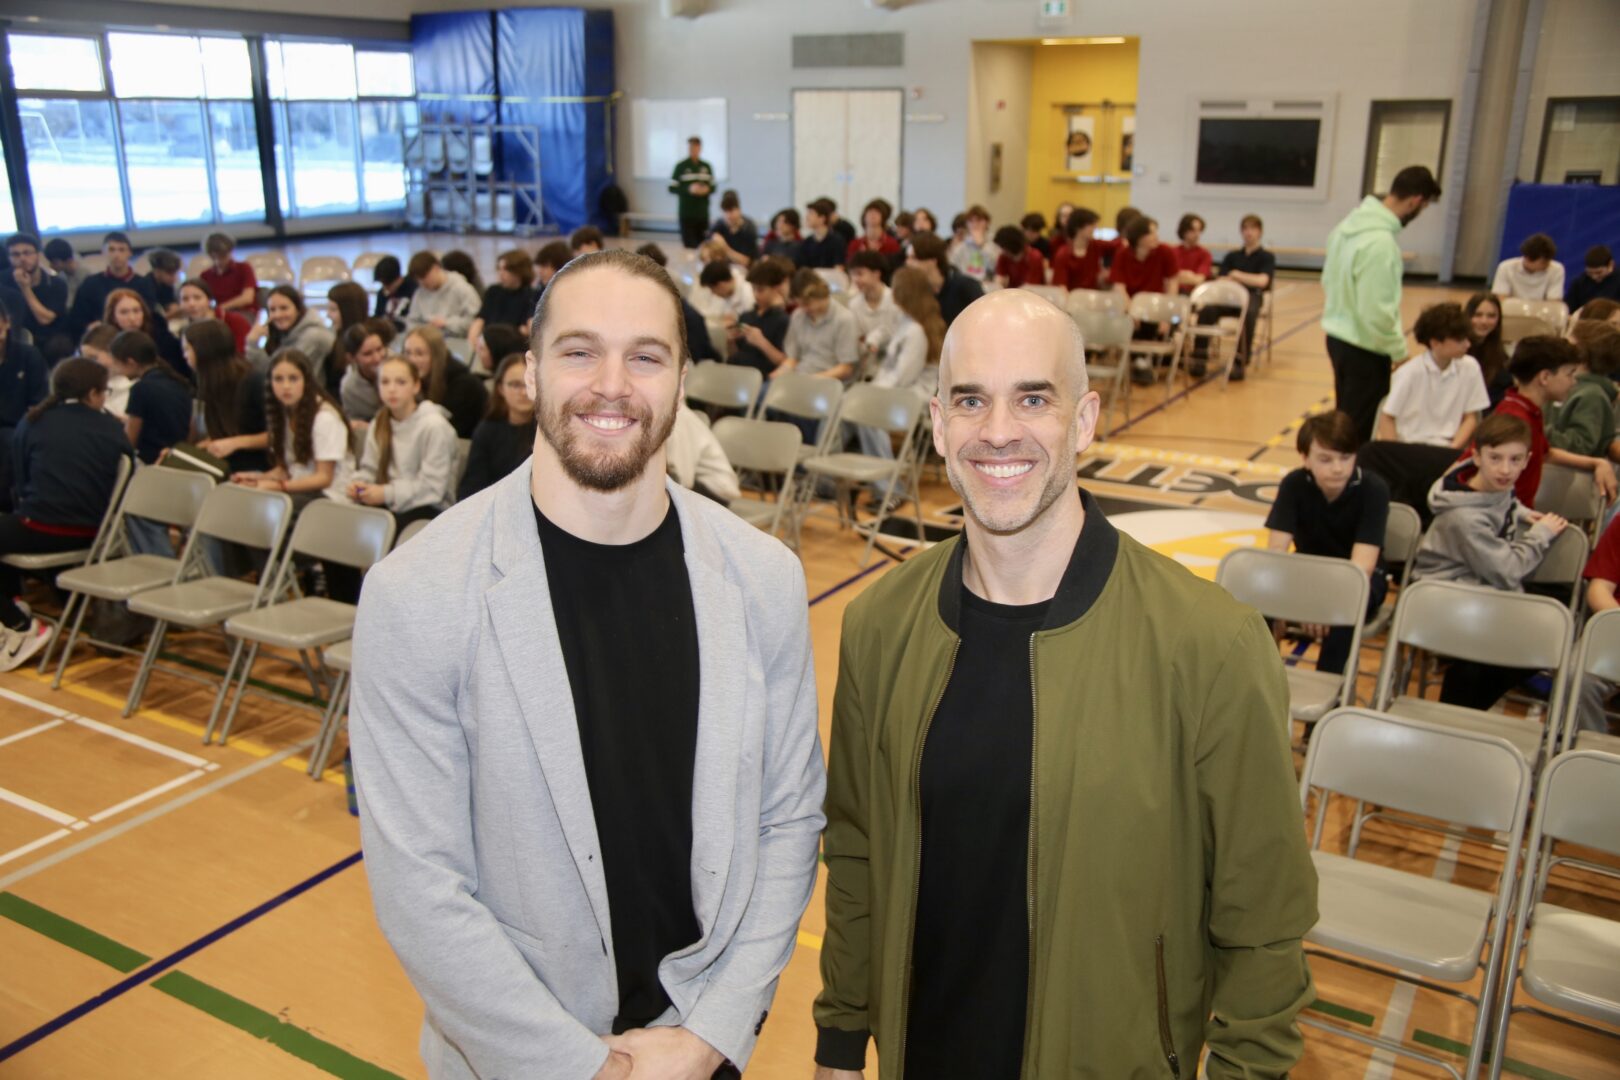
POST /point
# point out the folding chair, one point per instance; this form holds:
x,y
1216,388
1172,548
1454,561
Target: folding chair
x,y
1471,622
1409,926
890,410
1222,293
1569,493
339,658
1528,318
364,268
763,446
724,386
357,536
1402,532
1562,565
805,397
1107,337
1598,655
271,268
198,265
1573,962
198,600
410,531
167,496
324,271
1304,589
41,563
1055,294
1106,301
1159,309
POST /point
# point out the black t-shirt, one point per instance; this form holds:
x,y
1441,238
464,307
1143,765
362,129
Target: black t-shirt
x,y
970,947
1260,261
827,252
507,307
774,323
163,403
955,293
744,239
1319,527
628,632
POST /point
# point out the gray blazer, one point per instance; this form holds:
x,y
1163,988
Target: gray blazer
x,y
475,814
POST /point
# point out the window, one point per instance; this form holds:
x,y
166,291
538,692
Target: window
x,y
1580,142
385,74
72,163
155,66
322,145
68,64
238,179
8,213
382,144
1403,133
166,160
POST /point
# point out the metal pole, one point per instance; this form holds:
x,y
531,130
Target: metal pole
x,y
1521,106
1467,111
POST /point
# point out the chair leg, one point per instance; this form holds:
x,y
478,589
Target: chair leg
x,y
56,634
73,635
332,720
224,691
241,692
148,661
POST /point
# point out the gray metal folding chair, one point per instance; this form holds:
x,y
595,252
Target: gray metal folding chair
x,y
805,397
724,386
1160,309
1569,493
889,410
1107,337
768,447
1303,589
1221,339
1409,926
1402,532
338,658
166,496
1598,655
356,536
43,563
1107,301
198,599
1573,962
409,531
1562,565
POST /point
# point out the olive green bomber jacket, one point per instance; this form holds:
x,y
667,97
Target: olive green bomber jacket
x,y
1170,878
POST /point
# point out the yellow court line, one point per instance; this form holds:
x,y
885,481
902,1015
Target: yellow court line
x,y
809,940
1127,452
1286,435
248,746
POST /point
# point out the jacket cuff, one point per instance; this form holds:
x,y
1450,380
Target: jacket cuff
x,y
730,1020
840,1049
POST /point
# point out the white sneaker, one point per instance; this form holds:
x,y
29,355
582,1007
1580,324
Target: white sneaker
x,y
16,646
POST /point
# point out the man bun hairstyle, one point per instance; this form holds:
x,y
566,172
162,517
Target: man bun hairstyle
x,y
625,262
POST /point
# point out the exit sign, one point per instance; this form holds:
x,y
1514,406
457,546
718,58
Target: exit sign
x,y
1055,12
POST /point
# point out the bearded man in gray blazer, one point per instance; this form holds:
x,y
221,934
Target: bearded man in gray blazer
x,y
584,732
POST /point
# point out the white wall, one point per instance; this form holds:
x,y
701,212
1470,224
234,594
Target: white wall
x,y
998,112
1578,56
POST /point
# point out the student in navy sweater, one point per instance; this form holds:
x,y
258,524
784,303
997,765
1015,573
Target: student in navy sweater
x,y
23,384
66,455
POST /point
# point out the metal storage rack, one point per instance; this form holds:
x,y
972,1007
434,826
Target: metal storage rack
x,y
450,178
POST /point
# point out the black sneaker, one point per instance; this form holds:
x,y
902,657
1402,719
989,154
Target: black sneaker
x,y
1236,376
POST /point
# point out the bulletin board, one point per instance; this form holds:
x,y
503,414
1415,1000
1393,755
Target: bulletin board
x,y
659,130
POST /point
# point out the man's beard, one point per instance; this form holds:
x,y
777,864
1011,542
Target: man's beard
x,y
602,471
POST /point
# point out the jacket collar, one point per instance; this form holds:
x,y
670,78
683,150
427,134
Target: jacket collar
x,y
1089,568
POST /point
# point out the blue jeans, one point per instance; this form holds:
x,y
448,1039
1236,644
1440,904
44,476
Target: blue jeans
x,y
1335,651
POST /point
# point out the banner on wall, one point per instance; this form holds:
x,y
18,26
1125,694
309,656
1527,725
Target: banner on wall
x,y
1127,142
1077,150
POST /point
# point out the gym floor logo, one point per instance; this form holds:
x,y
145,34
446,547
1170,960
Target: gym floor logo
x,y
1125,477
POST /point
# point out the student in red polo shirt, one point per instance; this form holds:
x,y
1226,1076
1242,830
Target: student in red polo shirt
x,y
1019,262
1544,369
1078,263
234,284
1193,260
1143,264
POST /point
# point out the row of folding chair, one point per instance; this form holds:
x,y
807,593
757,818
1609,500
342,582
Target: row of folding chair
x,y
1434,933
1526,318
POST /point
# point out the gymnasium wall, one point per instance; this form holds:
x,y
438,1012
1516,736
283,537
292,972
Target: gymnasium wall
x,y
998,112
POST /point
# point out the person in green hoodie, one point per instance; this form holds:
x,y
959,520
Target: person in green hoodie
x,y
692,181
1584,423
1361,284
1063,832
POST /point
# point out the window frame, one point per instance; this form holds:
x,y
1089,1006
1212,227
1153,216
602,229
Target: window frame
x,y
1377,109
1546,124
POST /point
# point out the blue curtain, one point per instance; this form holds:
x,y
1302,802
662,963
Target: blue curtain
x,y
1576,216
454,54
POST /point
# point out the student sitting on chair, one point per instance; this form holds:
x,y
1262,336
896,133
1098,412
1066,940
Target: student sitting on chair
x,y
871,301
1535,275
1018,263
229,421
721,294
1435,398
736,231
1192,258
1602,576
409,461
975,253
445,380
1484,311
1544,370
1598,282
444,299
1331,507
766,325
1078,263
309,439
1483,535
504,438
94,345
293,326
1584,423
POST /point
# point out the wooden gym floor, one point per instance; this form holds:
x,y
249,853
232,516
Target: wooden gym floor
x,y
169,909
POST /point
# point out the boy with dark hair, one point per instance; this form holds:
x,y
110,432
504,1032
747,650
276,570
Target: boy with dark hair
x,y
1584,424
443,298
736,230
1078,264
767,324
1034,226
36,298
1597,283
953,289
719,294
550,259
1436,398
1019,263
1483,535
1543,370
1253,267
1193,259
394,291
871,302
785,239
698,343
90,302
235,285
1535,275
165,278
64,263
1331,507
586,239
821,248
976,255
843,229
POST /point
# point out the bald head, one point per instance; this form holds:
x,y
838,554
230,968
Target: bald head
x,y
1017,322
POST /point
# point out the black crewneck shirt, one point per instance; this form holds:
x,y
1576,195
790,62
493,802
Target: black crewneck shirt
x,y
628,631
970,945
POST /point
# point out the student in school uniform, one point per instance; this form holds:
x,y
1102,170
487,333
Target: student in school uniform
x,y
66,465
409,462
1544,369
157,417
504,438
24,383
1078,263
1193,260
230,421
1019,262
309,438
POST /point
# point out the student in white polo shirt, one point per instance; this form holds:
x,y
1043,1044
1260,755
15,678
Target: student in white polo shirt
x,y
1436,397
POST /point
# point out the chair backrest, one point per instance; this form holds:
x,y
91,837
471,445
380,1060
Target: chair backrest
x,y
324,268
1103,329
168,496
1402,532
768,446
836,279
357,536
1600,646
1155,307
1472,622
729,386
808,397
368,260
410,531
1555,313
1222,292
1094,300
1580,800
1455,775
1054,293
1518,327
106,530
244,515
1298,588
1569,493
884,407
1563,563
198,264
271,268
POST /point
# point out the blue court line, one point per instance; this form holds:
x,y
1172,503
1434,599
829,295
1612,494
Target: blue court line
x,y
158,967
848,582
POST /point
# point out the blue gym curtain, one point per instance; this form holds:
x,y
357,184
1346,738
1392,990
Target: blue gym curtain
x,y
454,54
1576,216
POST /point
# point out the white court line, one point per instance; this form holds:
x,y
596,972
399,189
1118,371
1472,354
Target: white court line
x,y
37,706
49,838
65,820
144,796
106,729
35,730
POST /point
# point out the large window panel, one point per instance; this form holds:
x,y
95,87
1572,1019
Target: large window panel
x,y
71,64
226,73
382,126
385,74
8,212
317,72
237,177
278,114
1580,142
1403,133
166,158
72,163
155,66
321,137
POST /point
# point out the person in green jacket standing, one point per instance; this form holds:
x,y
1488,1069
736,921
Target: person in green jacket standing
x,y
1063,832
1361,286
693,182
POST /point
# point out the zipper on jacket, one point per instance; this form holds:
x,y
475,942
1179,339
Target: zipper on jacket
x,y
1029,884
1165,1040
916,875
